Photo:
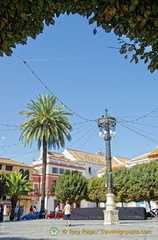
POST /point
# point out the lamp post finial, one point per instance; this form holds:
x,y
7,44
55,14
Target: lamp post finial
x,y
106,112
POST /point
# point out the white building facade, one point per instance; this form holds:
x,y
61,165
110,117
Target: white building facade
x,y
70,160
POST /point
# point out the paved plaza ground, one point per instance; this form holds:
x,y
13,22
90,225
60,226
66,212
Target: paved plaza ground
x,y
80,229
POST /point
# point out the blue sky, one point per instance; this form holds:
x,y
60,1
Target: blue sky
x,y
87,75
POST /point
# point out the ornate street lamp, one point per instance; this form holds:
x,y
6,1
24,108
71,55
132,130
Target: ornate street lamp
x,y
107,126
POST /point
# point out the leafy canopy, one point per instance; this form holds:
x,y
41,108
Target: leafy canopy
x,y
71,186
143,182
96,189
139,183
135,19
120,177
17,184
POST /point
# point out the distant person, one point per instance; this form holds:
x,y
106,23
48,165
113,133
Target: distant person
x,y
34,209
67,213
20,212
57,212
16,212
31,210
1,212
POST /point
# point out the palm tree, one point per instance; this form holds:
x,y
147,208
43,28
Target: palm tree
x,y
49,125
17,185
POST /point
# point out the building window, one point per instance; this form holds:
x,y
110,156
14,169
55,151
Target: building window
x,y
61,170
53,186
27,174
90,170
9,168
0,166
54,170
68,171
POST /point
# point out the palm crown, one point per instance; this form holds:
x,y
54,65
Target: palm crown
x,y
48,121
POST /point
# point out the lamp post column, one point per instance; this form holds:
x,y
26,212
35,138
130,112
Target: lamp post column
x,y
107,139
107,125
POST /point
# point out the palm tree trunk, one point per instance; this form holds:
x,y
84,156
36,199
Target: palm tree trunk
x,y
44,174
13,202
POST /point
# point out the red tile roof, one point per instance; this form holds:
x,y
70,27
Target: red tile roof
x,y
7,161
154,153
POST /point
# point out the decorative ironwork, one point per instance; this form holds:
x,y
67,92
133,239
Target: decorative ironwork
x,y
107,126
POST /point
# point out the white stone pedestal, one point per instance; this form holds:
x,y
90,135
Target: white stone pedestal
x,y
110,214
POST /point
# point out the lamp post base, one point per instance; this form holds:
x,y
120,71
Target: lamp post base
x,y
110,217
110,214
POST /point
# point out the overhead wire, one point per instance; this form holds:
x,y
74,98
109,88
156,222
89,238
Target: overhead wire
x,y
11,145
20,155
81,129
80,137
146,125
8,125
120,121
136,119
139,118
142,130
88,138
44,85
149,138
7,130
10,65
80,123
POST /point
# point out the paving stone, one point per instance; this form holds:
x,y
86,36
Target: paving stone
x,y
46,229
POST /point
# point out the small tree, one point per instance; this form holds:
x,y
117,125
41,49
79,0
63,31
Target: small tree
x,y
96,190
143,182
17,185
120,178
71,186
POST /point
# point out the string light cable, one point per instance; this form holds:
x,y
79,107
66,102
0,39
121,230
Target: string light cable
x,y
81,137
20,155
142,135
80,123
146,125
78,130
11,145
7,130
139,118
142,130
43,84
96,129
7,125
